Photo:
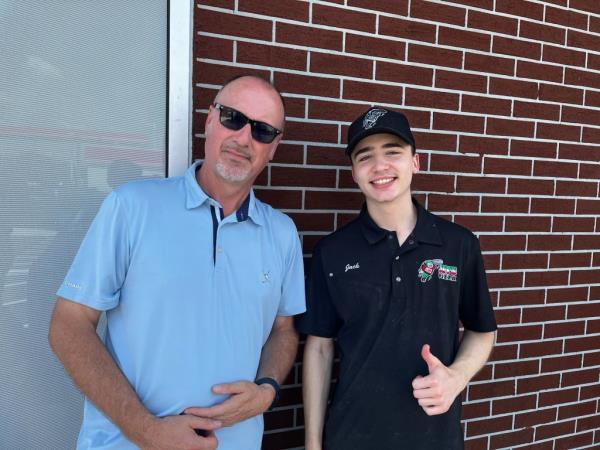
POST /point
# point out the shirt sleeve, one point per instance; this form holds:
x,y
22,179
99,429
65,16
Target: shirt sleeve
x,y
476,312
320,318
292,290
99,268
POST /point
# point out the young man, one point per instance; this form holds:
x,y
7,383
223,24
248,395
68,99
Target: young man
x,y
199,281
392,286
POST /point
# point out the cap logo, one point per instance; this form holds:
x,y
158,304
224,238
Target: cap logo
x,y
372,117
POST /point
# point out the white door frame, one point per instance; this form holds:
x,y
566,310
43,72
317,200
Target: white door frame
x,y
179,126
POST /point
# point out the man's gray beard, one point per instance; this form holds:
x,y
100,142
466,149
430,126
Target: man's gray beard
x,y
233,174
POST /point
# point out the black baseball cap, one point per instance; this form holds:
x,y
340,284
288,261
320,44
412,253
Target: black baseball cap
x,y
379,120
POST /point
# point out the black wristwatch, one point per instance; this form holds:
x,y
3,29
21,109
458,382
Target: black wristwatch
x,y
275,385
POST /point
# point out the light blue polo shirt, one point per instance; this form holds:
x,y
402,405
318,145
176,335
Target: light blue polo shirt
x,y
190,297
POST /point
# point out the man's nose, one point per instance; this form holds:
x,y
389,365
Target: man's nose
x,y
243,136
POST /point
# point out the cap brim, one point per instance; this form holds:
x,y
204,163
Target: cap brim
x,y
375,130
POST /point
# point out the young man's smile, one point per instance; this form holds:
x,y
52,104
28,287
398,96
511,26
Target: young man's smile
x,y
383,166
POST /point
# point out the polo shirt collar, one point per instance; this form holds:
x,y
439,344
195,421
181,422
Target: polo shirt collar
x,y
196,197
425,230
194,194
372,232
252,210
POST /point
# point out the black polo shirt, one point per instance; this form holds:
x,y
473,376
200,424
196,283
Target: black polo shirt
x,y
384,301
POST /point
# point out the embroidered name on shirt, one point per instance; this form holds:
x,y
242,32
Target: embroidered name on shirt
x,y
353,267
429,266
73,285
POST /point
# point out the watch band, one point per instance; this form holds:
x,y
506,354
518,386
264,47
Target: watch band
x,y
275,384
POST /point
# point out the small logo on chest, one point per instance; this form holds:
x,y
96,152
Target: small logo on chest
x,y
266,277
352,267
429,267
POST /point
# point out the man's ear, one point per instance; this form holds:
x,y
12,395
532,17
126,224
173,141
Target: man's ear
x,y
416,163
274,146
209,118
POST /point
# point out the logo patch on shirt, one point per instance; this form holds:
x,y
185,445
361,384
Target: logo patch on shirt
x,y
429,266
352,267
266,277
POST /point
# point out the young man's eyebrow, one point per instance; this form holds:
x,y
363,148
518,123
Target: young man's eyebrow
x,y
361,150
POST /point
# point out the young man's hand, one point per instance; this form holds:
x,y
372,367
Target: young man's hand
x,y
436,392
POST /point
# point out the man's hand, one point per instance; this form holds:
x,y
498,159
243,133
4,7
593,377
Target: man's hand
x,y
178,432
246,400
436,392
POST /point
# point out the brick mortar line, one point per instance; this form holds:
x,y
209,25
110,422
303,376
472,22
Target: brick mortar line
x,y
448,132
544,288
483,234
466,174
413,42
342,52
520,412
527,445
408,85
409,18
543,339
538,252
455,194
310,120
411,63
480,233
518,396
538,2
504,397
549,270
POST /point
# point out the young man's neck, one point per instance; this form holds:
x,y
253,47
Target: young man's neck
x,y
229,195
399,216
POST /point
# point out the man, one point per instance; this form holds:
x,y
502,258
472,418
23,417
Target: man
x,y
391,286
199,281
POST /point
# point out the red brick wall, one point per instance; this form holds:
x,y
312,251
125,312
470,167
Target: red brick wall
x,y
505,99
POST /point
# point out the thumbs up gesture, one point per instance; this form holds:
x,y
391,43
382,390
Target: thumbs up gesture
x,y
436,391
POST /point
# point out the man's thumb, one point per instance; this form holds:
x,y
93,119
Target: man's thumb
x,y
432,361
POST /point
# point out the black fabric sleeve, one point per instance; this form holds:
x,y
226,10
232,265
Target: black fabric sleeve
x,y
476,311
320,318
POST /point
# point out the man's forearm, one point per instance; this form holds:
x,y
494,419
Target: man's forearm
x,y
279,352
316,379
84,356
474,351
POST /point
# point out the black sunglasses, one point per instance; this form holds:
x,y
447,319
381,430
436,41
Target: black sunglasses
x,y
232,119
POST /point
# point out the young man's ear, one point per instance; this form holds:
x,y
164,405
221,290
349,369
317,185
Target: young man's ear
x,y
353,177
416,163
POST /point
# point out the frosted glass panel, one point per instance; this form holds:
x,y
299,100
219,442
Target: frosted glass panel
x,y
82,109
